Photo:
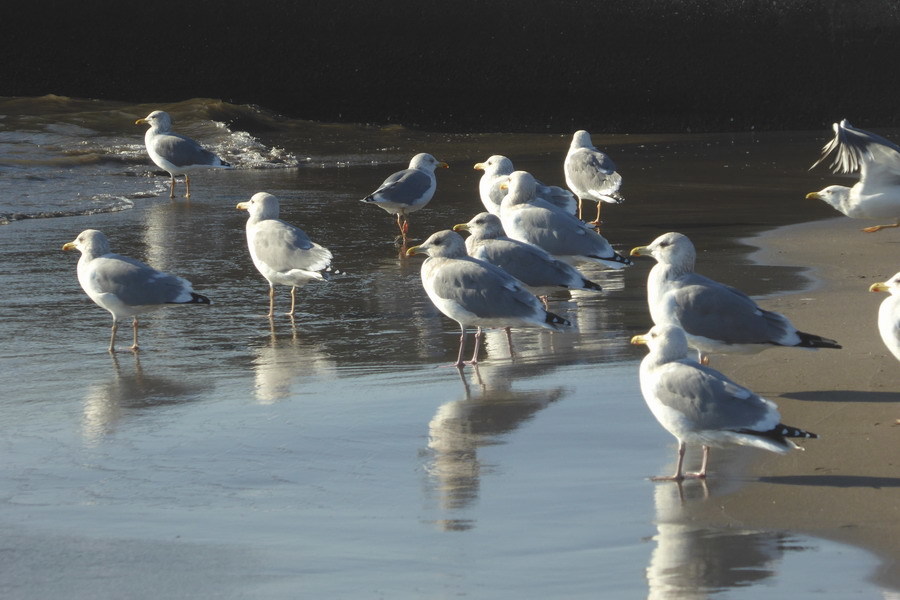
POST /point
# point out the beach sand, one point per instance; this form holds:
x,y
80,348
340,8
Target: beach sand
x,y
846,485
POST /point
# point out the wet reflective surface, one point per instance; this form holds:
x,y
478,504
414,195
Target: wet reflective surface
x,y
336,454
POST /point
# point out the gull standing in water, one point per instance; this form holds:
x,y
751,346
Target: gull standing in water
x,y
124,286
716,317
877,193
591,174
539,271
889,313
175,153
497,170
699,405
475,293
282,253
408,190
534,221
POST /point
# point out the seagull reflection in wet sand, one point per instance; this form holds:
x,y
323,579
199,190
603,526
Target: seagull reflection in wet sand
x,y
460,427
282,361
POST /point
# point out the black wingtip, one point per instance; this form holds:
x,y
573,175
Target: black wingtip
x,y
590,285
556,321
781,432
808,340
199,299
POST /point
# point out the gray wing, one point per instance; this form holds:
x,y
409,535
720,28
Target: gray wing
x,y
558,233
711,401
707,308
591,172
408,187
135,283
557,196
284,247
529,264
182,151
484,290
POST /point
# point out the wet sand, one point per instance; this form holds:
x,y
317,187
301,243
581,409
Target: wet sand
x,y
846,485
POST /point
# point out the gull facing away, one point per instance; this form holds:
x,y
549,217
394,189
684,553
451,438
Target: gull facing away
x,y
877,193
475,293
282,253
408,190
124,286
497,170
889,313
175,153
539,271
591,174
699,405
716,318
531,220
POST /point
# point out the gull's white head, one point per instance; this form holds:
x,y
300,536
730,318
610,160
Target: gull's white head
x,y
495,165
158,119
443,244
261,206
426,162
670,248
522,188
90,242
581,139
483,226
892,286
665,342
835,196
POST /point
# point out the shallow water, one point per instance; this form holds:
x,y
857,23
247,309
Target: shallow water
x,y
337,455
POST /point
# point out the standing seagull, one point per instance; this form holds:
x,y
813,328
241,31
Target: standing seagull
x,y
889,313
497,170
700,405
591,174
715,317
408,190
877,193
175,153
282,253
124,286
539,271
475,293
531,220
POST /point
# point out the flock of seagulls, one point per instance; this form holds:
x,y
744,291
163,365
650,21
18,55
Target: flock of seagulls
x,y
527,245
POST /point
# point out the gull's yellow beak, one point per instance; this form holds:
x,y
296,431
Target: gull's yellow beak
x,y
639,340
413,251
243,206
504,185
140,121
69,246
813,196
479,167
443,165
640,251
875,287
461,227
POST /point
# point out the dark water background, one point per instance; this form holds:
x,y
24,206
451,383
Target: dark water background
x,y
475,65
337,456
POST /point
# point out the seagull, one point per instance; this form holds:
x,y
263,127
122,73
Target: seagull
x,y
497,169
124,286
175,153
591,174
538,270
716,317
408,190
534,221
889,313
475,293
877,193
700,405
282,253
